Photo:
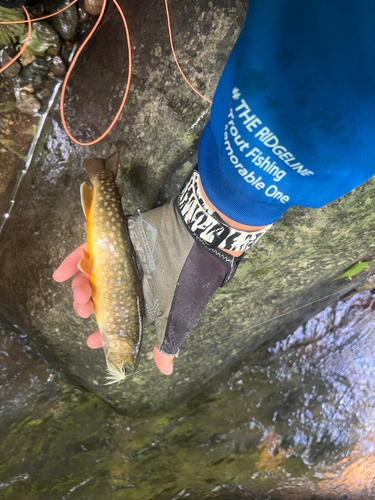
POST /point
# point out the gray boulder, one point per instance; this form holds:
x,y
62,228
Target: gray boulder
x,y
291,269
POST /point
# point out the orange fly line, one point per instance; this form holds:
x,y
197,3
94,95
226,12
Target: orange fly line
x,y
67,76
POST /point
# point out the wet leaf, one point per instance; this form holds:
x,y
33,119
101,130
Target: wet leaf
x,y
9,33
356,269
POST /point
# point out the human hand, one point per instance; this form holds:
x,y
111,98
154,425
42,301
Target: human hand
x,y
83,304
182,263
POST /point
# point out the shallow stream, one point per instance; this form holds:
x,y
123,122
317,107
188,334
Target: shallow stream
x,y
294,421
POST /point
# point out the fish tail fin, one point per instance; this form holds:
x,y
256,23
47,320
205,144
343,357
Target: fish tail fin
x,y
112,162
94,167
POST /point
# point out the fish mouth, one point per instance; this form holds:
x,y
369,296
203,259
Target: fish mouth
x,y
127,369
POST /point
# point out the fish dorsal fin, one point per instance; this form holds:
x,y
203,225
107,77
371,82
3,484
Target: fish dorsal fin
x,y
121,191
94,167
112,162
87,196
85,265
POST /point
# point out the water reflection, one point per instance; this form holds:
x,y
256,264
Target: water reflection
x,y
295,421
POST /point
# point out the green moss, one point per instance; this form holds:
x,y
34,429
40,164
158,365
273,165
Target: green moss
x,y
261,272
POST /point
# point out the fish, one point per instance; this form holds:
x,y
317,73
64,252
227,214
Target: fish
x,y
113,269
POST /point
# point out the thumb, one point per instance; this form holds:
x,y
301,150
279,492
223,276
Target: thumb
x,y
163,362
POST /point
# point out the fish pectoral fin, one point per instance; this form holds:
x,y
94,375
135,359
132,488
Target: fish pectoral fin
x,y
86,253
87,196
112,162
85,265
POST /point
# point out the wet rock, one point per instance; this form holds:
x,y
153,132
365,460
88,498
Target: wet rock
x,y
40,67
43,94
43,39
26,102
59,67
15,68
29,75
37,11
83,15
9,33
157,138
29,88
93,6
66,22
27,57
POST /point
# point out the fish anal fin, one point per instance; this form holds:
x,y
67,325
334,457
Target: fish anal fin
x,y
85,265
87,196
112,162
94,167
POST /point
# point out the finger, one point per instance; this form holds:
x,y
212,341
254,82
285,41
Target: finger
x,y
81,286
163,362
94,341
84,310
69,265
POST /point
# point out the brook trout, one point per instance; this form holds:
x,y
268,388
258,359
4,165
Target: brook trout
x,y
112,266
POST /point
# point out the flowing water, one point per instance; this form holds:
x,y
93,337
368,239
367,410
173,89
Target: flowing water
x,y
294,421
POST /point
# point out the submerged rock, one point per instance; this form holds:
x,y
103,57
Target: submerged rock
x,y
14,68
66,22
43,39
26,102
59,67
40,67
84,16
93,7
44,93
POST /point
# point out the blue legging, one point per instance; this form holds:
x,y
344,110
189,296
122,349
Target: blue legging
x,y
293,117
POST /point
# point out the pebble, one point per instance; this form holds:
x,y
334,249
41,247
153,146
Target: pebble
x,y
44,93
26,102
29,88
93,6
59,67
14,69
84,16
40,66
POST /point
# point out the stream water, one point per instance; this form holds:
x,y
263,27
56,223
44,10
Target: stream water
x,y
294,421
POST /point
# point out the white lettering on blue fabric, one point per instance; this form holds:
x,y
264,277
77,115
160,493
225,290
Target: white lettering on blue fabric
x,y
251,122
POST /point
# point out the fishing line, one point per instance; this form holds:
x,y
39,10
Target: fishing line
x,y
71,69
28,21
223,339
175,56
38,18
79,52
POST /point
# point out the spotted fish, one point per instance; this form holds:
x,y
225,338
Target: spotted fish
x,y
112,266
